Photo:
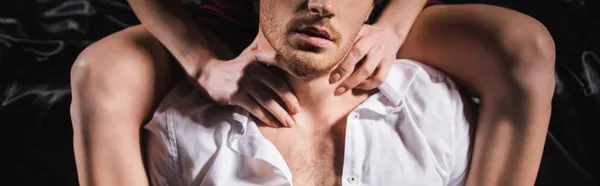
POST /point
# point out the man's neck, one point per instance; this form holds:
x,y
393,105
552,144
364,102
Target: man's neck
x,y
316,95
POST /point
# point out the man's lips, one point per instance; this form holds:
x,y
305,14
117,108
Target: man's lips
x,y
315,36
315,32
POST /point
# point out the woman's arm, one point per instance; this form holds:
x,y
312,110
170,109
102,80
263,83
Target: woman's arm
x,y
399,16
116,83
378,43
505,58
508,65
172,25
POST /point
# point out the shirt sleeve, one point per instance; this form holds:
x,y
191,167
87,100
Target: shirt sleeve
x,y
162,152
159,152
439,111
460,161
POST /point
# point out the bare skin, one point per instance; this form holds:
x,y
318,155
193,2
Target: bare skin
x,y
485,49
482,47
317,159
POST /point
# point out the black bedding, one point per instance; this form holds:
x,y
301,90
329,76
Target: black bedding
x,y
39,40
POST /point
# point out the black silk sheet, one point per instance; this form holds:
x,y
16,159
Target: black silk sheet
x,y
40,39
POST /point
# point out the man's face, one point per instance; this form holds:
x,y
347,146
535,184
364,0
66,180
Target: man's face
x,y
311,43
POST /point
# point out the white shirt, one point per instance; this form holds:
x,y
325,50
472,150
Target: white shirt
x,y
413,132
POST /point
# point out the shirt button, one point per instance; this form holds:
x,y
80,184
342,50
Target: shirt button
x,y
352,180
354,116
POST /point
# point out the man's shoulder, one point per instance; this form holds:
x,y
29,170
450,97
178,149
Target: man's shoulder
x,y
414,71
431,98
183,97
184,106
423,89
435,107
411,79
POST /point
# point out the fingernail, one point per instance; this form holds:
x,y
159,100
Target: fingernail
x,y
340,91
294,110
335,77
289,122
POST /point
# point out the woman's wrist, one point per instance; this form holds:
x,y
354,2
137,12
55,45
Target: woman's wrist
x,y
399,16
195,60
395,35
186,43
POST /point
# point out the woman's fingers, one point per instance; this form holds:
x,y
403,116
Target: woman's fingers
x,y
252,106
378,48
378,77
267,101
373,59
277,85
267,57
359,50
256,96
270,59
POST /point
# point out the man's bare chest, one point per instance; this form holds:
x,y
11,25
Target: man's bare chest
x,y
314,158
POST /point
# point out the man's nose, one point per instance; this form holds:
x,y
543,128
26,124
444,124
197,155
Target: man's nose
x,y
320,7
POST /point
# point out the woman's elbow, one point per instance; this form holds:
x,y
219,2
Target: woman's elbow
x,y
530,56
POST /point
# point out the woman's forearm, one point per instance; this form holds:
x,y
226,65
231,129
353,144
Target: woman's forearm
x,y
508,67
173,26
509,141
400,15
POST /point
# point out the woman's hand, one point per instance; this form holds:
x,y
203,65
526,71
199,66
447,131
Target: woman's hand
x,y
245,82
376,48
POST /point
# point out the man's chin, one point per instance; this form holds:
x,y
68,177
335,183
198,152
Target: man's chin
x,y
306,64
308,71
